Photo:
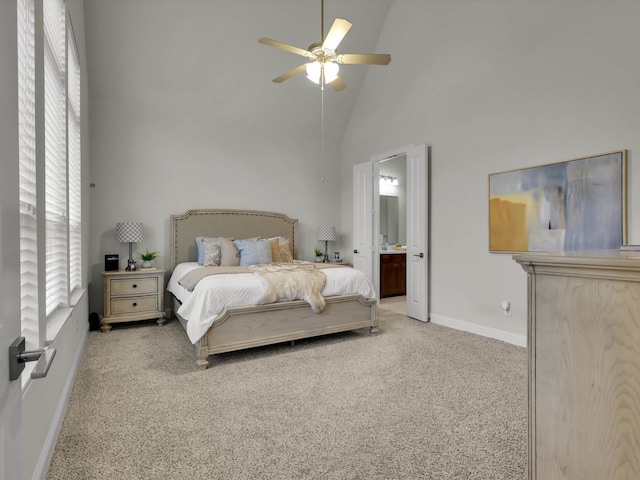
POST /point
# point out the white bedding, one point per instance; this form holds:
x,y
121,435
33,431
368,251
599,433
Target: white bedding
x,y
214,293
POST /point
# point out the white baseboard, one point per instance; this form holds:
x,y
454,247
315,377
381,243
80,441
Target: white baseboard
x,y
519,340
49,446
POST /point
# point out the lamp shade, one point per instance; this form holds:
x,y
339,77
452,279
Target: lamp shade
x,y
327,233
129,232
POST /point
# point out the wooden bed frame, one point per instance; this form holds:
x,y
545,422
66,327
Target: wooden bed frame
x,y
251,326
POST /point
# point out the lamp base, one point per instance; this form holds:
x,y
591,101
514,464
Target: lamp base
x,y
131,263
326,252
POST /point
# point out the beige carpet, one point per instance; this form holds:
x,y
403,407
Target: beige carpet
x,y
394,304
416,401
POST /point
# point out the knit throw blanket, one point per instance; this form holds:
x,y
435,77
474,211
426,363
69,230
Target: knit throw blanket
x,y
292,281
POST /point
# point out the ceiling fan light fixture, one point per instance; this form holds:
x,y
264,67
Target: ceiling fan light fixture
x,y
330,71
314,71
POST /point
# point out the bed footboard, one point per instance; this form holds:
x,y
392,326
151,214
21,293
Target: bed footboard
x,y
253,326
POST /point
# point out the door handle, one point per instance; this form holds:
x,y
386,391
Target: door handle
x,y
355,250
421,255
18,357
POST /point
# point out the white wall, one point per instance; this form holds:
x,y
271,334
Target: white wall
x,y
492,86
184,115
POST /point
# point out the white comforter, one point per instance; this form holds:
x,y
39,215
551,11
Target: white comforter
x,y
210,297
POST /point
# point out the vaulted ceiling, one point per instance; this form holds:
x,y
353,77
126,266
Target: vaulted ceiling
x,y
182,55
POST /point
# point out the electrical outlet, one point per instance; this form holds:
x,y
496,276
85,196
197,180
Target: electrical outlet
x,y
506,307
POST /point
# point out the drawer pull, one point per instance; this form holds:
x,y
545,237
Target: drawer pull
x,y
135,286
135,304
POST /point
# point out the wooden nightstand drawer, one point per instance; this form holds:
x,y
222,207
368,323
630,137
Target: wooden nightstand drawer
x,y
130,296
122,306
134,286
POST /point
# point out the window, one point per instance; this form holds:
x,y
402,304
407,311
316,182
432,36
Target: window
x,y
27,144
75,199
55,141
56,170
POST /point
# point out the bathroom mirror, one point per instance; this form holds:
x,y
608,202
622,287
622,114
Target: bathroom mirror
x,y
389,215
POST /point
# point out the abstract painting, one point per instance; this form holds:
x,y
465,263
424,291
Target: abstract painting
x,y
578,204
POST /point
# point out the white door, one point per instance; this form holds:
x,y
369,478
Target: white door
x,y
10,391
365,224
417,233
375,225
363,219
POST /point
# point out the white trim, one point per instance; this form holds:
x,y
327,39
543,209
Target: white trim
x,y
76,296
42,466
56,322
519,340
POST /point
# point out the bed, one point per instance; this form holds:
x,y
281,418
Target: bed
x,y
244,326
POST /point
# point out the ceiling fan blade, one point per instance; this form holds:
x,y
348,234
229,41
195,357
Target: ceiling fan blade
x,y
364,59
338,84
290,73
338,30
285,46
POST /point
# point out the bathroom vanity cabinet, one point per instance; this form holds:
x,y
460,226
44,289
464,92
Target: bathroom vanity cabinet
x,y
393,274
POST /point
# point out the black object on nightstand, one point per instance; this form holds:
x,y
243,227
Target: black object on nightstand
x,y
111,262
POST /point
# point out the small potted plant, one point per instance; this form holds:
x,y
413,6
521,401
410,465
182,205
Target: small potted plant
x,y
147,257
319,255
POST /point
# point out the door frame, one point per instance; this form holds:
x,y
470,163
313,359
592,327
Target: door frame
x,y
373,270
375,161
11,436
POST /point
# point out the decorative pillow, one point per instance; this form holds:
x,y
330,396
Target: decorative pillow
x,y
280,250
212,253
275,249
253,252
285,252
201,248
230,256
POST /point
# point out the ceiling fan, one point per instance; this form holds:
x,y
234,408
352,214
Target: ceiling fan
x,y
324,58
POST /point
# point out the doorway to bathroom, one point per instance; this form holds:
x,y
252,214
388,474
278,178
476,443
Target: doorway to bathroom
x,y
372,234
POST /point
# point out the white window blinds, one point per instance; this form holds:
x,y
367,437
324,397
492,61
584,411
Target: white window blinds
x,y
73,124
27,143
57,283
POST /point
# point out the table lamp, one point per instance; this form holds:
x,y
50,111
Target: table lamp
x,y
326,234
130,232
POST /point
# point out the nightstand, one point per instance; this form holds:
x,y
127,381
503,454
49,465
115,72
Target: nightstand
x,y
133,296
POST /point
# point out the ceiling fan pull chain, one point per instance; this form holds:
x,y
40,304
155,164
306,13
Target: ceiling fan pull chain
x,y
322,169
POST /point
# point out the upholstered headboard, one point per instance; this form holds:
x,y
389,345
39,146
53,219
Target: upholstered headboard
x,y
187,226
